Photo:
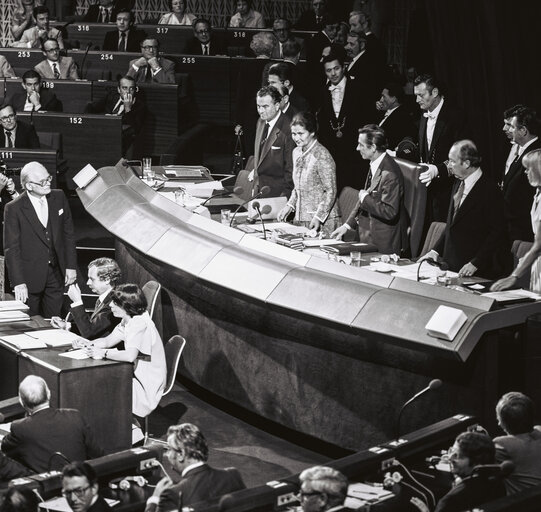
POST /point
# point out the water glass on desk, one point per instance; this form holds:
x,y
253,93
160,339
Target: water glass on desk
x,y
225,216
148,173
355,258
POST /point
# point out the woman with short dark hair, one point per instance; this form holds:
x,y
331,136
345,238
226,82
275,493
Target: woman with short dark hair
x,y
179,14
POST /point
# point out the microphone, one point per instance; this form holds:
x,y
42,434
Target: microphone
x,y
494,470
264,211
57,454
440,264
237,191
130,163
263,192
87,49
433,384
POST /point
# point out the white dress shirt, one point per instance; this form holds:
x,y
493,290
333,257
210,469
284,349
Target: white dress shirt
x,y
43,214
469,182
337,95
432,118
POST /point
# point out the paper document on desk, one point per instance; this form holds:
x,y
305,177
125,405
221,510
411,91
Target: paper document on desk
x,y
24,342
60,503
54,337
283,227
79,353
359,494
12,305
512,296
427,272
13,316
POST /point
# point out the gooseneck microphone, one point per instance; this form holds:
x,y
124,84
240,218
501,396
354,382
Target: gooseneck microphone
x,y
237,191
260,212
431,261
263,192
433,384
87,49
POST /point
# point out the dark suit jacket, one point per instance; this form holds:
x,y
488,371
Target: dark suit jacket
x,y
110,42
166,75
298,101
477,232
369,75
397,126
26,136
273,161
47,99
34,439
199,484
307,21
382,218
450,127
100,505
26,250
100,323
10,469
217,47
518,198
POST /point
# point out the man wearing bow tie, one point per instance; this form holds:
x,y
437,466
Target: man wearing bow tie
x,y
379,215
441,125
521,126
103,275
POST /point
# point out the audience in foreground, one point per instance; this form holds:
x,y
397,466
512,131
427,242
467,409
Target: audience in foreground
x,y
81,490
322,489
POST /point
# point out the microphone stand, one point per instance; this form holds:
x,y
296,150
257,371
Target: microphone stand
x,y
84,60
238,160
264,191
257,207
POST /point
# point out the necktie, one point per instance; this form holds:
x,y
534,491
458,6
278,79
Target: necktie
x,y
265,134
148,75
9,139
98,304
368,180
55,70
104,14
205,49
122,43
44,211
458,197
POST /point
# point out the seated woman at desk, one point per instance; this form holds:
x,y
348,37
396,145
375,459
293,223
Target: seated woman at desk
x,y
179,14
314,176
532,259
143,347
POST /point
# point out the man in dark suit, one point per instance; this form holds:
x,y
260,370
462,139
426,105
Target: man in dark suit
x,y
103,275
150,67
312,19
322,488
105,11
45,430
188,453
273,164
39,243
394,117
126,101
35,97
379,215
521,126
360,22
10,469
203,41
80,488
340,115
14,133
475,238
281,28
283,73
126,38
441,125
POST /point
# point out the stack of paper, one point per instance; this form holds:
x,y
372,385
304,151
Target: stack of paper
x,y
12,316
54,337
24,342
360,494
12,305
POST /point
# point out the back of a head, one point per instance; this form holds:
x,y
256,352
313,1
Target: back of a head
x,y
324,479
527,117
515,413
478,447
283,70
262,44
189,438
291,49
20,500
130,298
33,392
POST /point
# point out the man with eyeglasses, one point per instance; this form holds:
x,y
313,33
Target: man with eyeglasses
x,y
54,65
203,41
150,67
39,244
187,453
125,38
322,489
15,133
80,488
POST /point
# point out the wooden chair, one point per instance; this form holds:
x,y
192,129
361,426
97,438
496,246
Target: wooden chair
x,y
434,232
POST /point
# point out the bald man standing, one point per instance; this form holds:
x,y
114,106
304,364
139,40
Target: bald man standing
x,y
39,243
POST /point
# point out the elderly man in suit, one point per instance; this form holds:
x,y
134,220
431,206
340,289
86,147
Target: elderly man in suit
x,y
80,488
103,275
15,133
322,489
273,164
39,243
188,453
125,38
150,67
203,41
33,37
521,125
35,97
46,430
380,215
475,239
282,31
441,126
55,65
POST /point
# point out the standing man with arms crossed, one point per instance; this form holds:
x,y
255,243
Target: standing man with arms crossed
x,y
39,243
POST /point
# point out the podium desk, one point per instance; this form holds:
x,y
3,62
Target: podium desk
x,y
15,158
100,389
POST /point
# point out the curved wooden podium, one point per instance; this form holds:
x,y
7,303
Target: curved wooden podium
x,y
326,349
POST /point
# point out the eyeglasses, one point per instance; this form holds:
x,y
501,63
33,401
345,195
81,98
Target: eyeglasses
x,y
52,50
303,495
44,182
79,493
149,47
8,117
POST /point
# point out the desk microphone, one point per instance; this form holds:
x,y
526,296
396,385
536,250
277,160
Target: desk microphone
x,y
263,192
59,455
130,163
433,384
431,261
237,191
262,211
87,49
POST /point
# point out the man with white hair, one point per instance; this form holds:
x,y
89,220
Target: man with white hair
x,y
322,489
34,440
39,243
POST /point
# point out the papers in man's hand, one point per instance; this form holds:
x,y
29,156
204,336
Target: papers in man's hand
x,y
54,337
12,305
60,503
13,316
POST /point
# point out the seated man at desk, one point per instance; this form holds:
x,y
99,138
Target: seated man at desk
x,y
322,488
188,454
126,38
15,133
203,42
55,65
35,97
103,276
80,488
125,101
45,430
150,67
34,36
475,237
